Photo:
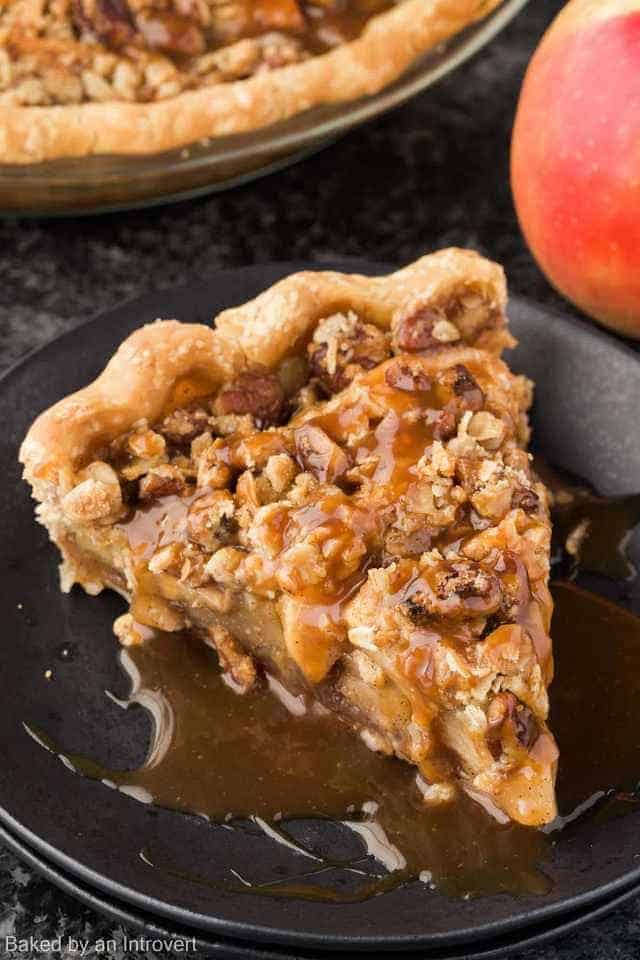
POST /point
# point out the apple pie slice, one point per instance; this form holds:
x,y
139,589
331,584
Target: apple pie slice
x,y
332,488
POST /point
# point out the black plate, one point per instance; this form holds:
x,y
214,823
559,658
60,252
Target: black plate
x,y
588,398
154,927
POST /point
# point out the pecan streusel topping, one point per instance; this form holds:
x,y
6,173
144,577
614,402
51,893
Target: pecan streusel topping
x,y
74,51
356,520
381,532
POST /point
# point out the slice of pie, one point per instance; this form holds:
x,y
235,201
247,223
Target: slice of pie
x,y
80,77
332,488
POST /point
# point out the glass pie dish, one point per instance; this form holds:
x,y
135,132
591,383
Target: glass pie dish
x,y
106,183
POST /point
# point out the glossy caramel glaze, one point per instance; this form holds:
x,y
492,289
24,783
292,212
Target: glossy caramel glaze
x,y
596,701
384,553
237,758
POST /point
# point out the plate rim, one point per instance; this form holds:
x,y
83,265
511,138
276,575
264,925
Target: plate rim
x,y
249,951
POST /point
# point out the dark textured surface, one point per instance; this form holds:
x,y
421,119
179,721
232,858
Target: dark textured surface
x,y
432,173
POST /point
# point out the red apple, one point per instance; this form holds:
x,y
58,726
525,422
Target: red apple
x,y
576,158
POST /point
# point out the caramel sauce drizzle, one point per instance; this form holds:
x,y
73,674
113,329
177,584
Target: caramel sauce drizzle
x,y
161,522
322,25
254,764
319,26
388,424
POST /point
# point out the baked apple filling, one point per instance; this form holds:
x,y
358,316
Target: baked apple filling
x,y
354,521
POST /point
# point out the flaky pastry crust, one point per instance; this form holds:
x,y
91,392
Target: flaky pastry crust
x,y
140,380
388,45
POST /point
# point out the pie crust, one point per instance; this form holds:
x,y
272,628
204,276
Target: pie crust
x,y
389,43
332,488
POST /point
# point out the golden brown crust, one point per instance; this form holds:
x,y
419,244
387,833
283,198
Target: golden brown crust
x,y
268,327
138,381
388,45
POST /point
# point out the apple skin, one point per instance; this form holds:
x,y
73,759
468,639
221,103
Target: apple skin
x,y
575,159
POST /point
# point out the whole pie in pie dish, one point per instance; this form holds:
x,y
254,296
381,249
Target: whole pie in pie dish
x,y
82,77
332,488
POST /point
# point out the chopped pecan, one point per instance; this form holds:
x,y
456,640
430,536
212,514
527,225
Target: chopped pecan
x,y
526,500
280,471
212,470
197,10
109,20
427,328
162,481
233,19
233,62
400,376
193,571
526,726
319,454
500,708
464,590
466,387
481,590
414,543
343,346
146,444
223,565
445,424
459,383
302,565
493,498
487,429
170,32
506,709
229,423
257,392
247,494
239,667
184,425
168,559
